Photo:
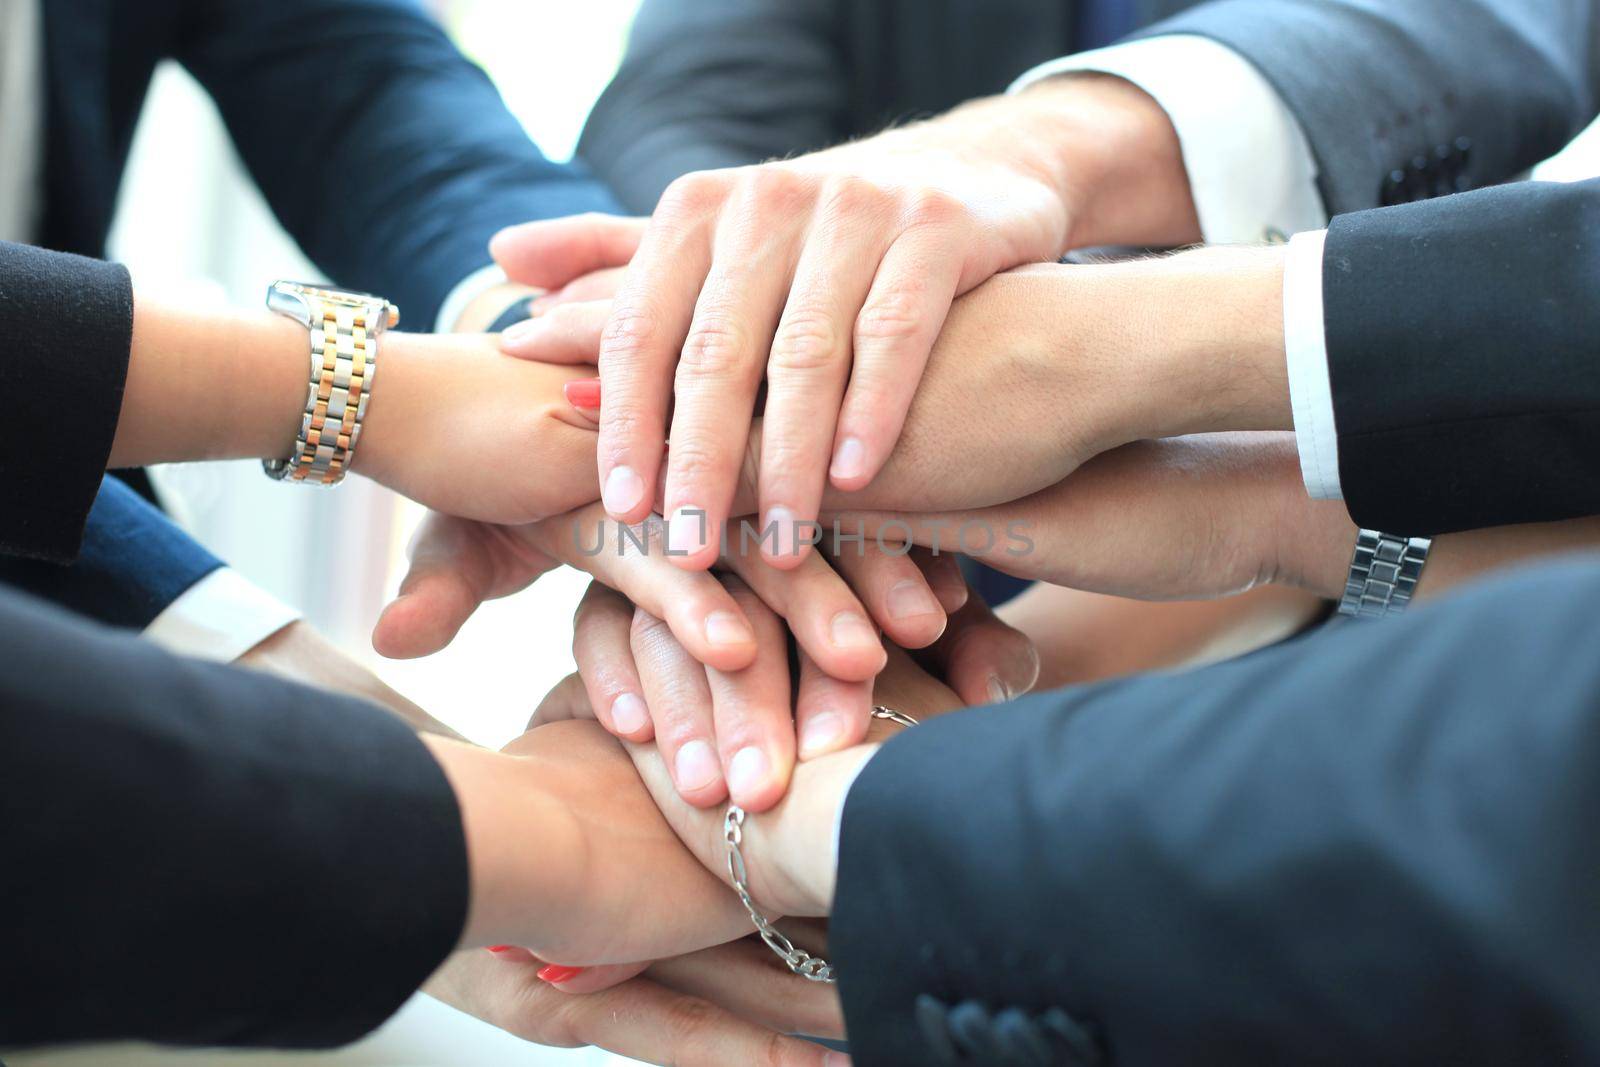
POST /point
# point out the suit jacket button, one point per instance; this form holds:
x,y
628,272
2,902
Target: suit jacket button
x,y
932,1017
1077,1043
972,1030
1019,1040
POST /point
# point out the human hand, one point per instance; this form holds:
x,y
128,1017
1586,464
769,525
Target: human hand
x,y
456,426
726,1004
746,714
877,237
1039,369
457,564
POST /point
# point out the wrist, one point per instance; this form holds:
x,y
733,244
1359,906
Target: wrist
x,y
1203,337
793,850
1113,155
512,825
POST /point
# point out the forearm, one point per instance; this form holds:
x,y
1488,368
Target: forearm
x,y
299,653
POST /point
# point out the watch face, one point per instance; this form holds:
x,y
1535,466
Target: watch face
x,y
297,300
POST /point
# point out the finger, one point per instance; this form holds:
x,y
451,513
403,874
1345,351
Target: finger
x,y
455,567
809,366
826,618
714,393
549,253
745,978
566,700
602,647
596,285
646,1021
894,589
829,714
641,342
584,396
983,659
566,333
894,335
750,712
943,572
679,698
631,560
583,980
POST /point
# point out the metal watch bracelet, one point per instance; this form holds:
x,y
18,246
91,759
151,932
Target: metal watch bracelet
x,y
797,959
1384,571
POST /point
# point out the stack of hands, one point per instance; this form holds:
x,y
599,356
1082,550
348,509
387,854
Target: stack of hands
x,y
875,344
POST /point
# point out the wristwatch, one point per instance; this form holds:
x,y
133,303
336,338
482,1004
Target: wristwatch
x,y
1383,574
344,330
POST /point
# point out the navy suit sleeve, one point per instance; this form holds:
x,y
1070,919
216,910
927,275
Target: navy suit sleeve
x,y
133,562
1461,336
199,854
1373,846
1409,99
717,83
387,155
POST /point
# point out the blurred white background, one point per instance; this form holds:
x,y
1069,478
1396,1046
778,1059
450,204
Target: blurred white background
x,y
190,221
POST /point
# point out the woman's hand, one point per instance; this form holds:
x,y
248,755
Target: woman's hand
x,y
730,1004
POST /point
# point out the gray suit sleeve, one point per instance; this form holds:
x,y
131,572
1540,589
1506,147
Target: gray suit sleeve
x,y
1441,94
1372,846
715,83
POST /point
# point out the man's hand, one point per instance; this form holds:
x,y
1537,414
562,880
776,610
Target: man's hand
x,y
843,265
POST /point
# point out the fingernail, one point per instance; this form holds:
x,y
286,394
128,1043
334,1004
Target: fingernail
x,y
696,766
836,1059
623,491
821,735
780,520
556,975
540,304
498,948
911,597
628,713
850,630
519,331
584,393
849,459
686,530
724,628
999,692
747,772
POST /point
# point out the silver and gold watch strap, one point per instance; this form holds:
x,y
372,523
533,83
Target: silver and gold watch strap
x,y
1383,574
344,330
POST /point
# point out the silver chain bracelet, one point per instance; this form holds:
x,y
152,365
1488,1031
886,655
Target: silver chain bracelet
x,y
798,960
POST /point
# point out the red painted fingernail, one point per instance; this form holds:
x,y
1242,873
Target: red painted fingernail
x,y
556,975
584,393
498,948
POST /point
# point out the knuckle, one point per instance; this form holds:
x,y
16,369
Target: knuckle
x,y
696,193
628,336
894,314
715,347
849,197
807,340
693,461
774,187
645,628
688,1021
934,208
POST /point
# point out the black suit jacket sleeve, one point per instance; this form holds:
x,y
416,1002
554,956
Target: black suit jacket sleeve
x,y
1463,357
387,155
1440,94
1368,847
716,83
197,854
66,324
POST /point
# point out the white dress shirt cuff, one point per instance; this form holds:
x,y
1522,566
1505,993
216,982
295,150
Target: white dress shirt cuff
x,y
465,292
1250,166
1305,343
220,618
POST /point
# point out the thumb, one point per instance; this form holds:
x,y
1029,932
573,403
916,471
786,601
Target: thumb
x,y
549,253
